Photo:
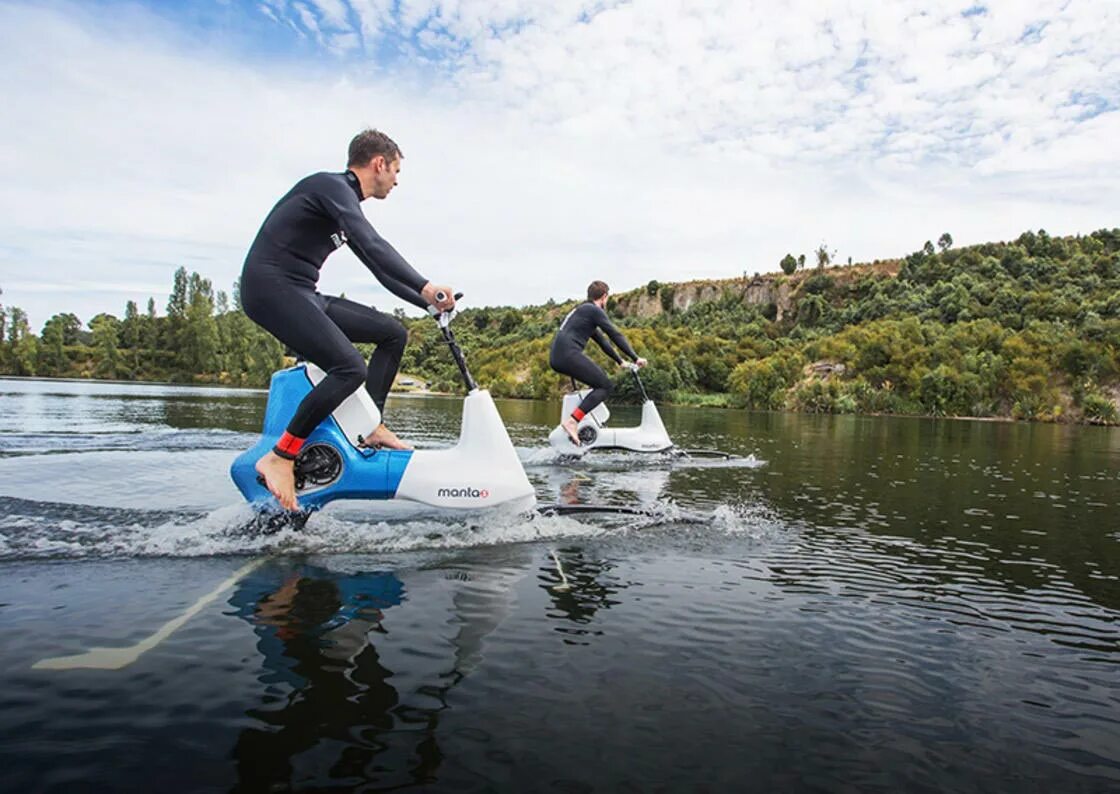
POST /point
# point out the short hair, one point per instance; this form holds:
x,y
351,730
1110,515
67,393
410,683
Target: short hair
x,y
596,290
369,143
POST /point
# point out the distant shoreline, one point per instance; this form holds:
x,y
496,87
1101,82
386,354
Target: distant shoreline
x,y
428,393
179,384
132,382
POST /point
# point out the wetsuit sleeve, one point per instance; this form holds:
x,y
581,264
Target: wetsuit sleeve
x,y
403,291
374,250
602,342
616,336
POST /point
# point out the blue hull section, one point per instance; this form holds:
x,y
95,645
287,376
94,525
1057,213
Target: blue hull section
x,y
365,474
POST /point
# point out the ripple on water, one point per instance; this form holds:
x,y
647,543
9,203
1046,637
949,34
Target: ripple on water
x,y
820,629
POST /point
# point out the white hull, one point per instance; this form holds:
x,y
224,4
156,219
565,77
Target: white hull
x,y
649,436
481,470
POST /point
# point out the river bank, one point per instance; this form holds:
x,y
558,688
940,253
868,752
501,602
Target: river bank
x,y
677,399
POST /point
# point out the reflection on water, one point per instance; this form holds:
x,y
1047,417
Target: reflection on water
x,y
873,604
328,704
354,688
580,587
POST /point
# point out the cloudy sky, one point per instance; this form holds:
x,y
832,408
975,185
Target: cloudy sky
x,y
546,142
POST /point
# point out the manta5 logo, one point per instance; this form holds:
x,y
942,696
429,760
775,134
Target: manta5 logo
x,y
464,493
339,238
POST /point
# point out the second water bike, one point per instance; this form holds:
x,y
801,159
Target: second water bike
x,y
649,436
482,470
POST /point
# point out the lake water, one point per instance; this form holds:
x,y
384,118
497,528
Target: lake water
x,y
869,604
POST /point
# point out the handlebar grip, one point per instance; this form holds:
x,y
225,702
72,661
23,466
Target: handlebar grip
x,y
441,296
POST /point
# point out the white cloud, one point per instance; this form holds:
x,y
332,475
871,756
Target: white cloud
x,y
333,13
664,140
308,20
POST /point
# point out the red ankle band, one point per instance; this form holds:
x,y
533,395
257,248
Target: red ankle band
x,y
288,446
578,415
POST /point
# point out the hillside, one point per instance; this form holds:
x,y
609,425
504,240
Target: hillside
x,y
1024,329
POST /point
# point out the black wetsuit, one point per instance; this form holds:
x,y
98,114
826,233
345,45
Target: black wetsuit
x,y
318,215
584,323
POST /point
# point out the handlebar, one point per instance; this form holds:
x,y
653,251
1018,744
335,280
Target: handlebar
x,y
443,317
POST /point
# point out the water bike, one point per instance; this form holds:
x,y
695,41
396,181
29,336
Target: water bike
x,y
649,436
482,470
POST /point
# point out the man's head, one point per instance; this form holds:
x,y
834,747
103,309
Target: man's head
x,y
376,159
597,292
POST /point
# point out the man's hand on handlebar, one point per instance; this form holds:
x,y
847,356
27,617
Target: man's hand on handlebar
x,y
640,362
439,295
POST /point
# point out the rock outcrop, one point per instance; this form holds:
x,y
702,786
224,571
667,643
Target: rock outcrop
x,y
759,290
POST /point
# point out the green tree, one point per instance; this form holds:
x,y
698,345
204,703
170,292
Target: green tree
x,y
130,333
23,346
201,331
509,323
945,242
266,356
812,310
150,335
175,326
788,264
52,339
106,330
177,301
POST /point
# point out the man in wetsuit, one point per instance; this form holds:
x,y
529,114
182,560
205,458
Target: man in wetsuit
x,y
321,213
585,322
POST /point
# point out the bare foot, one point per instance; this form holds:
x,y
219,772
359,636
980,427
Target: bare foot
x,y
571,427
280,478
384,437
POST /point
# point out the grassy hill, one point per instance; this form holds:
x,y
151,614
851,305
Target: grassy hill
x,y
1025,329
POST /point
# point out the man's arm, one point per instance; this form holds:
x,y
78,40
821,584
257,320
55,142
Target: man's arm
x,y
370,247
616,336
403,291
601,340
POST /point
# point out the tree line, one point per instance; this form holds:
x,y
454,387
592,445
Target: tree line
x,y
1026,329
201,338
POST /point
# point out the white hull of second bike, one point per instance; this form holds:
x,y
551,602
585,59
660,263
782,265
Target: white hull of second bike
x,y
649,436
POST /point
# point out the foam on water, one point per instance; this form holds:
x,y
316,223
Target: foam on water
x,y
621,460
148,477
45,530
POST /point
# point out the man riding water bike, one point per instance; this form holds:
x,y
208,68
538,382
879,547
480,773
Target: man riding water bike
x,y
320,214
583,323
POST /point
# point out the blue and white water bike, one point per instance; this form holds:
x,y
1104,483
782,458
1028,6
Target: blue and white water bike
x,y
481,471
